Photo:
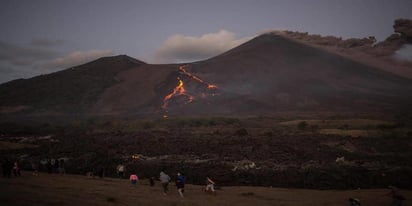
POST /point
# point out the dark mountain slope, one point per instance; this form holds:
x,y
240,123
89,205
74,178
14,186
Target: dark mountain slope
x,y
268,75
287,75
71,90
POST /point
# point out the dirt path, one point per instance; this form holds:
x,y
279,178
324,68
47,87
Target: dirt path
x,y
47,189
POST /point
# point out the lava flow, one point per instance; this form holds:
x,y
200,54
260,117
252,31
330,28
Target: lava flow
x,y
209,86
179,90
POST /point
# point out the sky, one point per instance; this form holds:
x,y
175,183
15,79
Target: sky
x,y
44,36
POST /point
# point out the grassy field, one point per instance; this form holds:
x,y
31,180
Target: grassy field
x,y
52,189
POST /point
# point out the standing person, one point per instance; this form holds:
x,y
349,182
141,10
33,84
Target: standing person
x,y
180,183
49,166
100,172
34,167
61,167
164,180
56,166
120,170
133,179
151,181
16,169
210,185
7,167
396,196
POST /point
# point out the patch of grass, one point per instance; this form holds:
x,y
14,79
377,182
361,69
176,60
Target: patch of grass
x,y
344,132
12,145
247,194
342,124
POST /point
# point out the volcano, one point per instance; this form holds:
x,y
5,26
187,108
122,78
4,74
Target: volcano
x,y
267,75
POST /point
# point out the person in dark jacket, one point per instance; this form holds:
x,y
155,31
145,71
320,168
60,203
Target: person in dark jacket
x,y
180,183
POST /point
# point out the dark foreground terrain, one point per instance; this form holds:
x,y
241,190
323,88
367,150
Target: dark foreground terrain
x,y
316,154
52,189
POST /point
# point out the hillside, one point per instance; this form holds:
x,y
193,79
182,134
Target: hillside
x,y
48,189
73,90
272,74
269,75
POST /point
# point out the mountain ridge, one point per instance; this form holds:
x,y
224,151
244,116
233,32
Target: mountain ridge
x,y
264,76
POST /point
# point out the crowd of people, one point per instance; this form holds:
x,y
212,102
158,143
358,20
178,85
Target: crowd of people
x,y
165,179
11,168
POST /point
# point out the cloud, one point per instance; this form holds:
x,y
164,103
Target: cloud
x,y
19,55
76,58
179,48
43,42
27,61
404,53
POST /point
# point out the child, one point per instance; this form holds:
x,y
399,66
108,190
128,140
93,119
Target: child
x,y
133,179
210,185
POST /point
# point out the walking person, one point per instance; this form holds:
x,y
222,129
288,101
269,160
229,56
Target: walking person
x,y
180,183
133,179
151,181
34,167
120,170
164,180
210,185
7,166
61,167
16,169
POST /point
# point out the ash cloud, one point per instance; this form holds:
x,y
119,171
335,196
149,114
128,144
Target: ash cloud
x,y
404,53
43,42
180,48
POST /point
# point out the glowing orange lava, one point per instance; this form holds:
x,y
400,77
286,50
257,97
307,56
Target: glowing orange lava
x,y
179,90
209,86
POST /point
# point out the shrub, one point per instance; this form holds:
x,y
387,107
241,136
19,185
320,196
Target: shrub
x,y
302,125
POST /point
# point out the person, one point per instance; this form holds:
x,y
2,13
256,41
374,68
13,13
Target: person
x,y
210,185
16,169
49,166
56,166
354,202
180,183
100,172
120,170
151,181
61,167
7,167
34,167
133,179
396,196
164,180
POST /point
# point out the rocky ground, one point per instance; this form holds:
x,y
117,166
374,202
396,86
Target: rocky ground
x,y
234,153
